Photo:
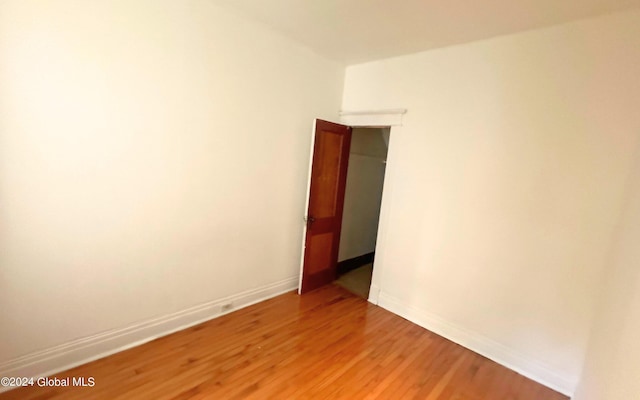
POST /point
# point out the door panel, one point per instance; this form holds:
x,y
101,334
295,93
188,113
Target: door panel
x,y
325,178
320,252
326,198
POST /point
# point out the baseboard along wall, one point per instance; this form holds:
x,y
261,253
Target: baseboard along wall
x,y
503,355
350,264
69,355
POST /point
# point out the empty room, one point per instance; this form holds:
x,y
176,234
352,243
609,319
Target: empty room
x,y
177,202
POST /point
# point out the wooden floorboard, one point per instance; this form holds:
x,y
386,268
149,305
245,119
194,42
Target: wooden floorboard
x,y
327,344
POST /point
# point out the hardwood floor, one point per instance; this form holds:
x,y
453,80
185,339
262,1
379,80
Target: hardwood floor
x,y
327,344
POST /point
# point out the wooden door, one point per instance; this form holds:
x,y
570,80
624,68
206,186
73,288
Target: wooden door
x,y
326,199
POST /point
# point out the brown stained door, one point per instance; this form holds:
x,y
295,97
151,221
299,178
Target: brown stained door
x,y
326,199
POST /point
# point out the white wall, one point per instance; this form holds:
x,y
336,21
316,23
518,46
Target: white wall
x,y
612,368
365,178
153,157
507,178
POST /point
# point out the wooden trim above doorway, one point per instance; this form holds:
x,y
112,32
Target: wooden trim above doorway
x,y
386,118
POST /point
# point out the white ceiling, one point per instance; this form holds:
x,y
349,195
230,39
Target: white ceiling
x,y
354,31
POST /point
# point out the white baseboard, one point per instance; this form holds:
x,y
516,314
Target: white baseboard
x,y
508,357
374,294
69,355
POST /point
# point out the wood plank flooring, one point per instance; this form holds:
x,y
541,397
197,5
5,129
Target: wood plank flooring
x,y
327,344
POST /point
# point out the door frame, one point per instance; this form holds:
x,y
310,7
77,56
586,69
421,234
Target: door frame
x,y
391,119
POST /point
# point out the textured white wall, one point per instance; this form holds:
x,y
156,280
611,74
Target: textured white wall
x,y
508,177
153,156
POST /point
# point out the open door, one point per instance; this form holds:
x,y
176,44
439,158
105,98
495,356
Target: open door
x,y
326,199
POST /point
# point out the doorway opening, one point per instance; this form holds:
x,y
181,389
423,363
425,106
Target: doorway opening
x,y
328,168
324,243
361,208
